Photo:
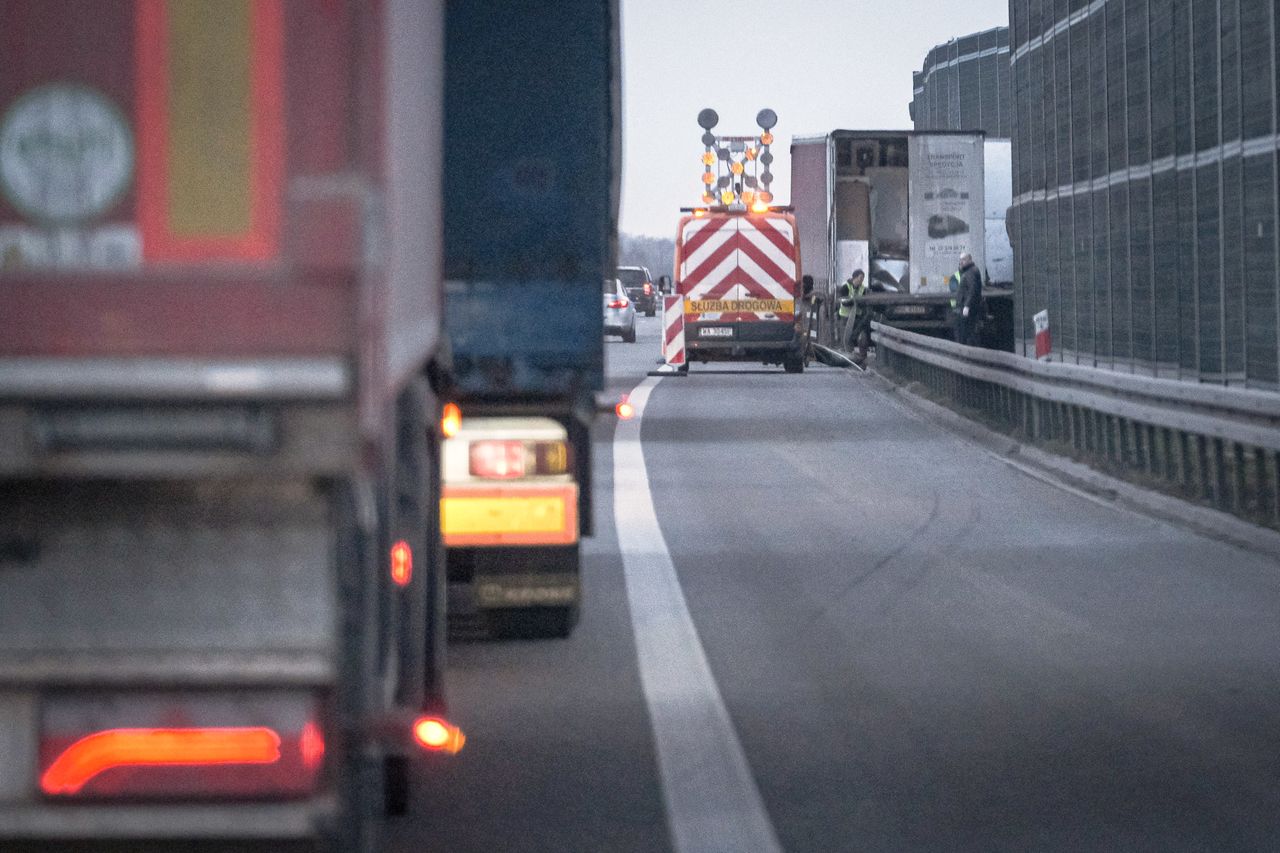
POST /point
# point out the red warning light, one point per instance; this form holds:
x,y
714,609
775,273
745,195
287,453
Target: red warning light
x,y
625,410
401,563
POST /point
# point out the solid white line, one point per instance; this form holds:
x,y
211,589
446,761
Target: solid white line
x,y
711,797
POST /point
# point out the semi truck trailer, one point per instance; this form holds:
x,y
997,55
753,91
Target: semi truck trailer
x,y
223,375
901,206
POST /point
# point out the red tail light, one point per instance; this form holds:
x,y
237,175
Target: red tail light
x,y
514,458
619,303
173,746
97,753
498,460
401,563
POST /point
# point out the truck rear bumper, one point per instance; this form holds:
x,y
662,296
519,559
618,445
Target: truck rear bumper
x,y
236,821
760,341
514,515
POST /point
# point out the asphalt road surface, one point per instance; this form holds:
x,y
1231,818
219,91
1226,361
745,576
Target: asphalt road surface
x,y
829,624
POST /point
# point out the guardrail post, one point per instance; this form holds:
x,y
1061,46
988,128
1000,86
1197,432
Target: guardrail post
x,y
1239,479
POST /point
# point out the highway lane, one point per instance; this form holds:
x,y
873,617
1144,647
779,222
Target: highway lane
x,y
919,647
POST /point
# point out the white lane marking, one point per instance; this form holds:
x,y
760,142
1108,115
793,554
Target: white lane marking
x,y
711,797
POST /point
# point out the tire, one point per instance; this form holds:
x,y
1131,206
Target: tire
x,y
793,363
629,336
358,825
651,312
533,623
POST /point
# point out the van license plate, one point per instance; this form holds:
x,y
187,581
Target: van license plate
x,y
716,332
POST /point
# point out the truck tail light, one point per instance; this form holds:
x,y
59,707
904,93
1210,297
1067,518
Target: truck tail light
x,y
514,459
618,303
97,753
401,563
438,735
180,746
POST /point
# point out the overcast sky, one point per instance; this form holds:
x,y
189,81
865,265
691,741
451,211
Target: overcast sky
x,y
820,64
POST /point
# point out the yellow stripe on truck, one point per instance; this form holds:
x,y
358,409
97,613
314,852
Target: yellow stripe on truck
x,y
489,515
210,144
735,306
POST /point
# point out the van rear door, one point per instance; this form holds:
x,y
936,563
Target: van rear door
x,y
736,269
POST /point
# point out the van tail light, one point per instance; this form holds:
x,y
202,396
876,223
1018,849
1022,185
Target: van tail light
x,y
437,734
512,459
619,303
172,746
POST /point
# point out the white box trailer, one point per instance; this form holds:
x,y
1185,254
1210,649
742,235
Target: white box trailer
x,y
901,205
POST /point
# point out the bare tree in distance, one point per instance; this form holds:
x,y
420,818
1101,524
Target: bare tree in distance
x,y
656,254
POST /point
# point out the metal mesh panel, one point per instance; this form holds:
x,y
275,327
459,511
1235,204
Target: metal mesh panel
x,y
1209,273
1166,273
1140,274
1232,279
1178,257
1260,267
1121,295
1188,311
1204,59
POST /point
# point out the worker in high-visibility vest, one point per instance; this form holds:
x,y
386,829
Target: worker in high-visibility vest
x,y
855,319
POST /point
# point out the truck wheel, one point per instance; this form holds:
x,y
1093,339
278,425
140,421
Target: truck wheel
x,y
533,623
793,363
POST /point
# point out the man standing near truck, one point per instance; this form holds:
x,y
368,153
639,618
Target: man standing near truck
x,y
854,287
969,301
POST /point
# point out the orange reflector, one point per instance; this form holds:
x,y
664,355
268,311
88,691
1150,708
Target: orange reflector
x,y
709,158
736,168
727,197
102,751
451,421
625,410
401,563
708,178
766,138
438,735
311,745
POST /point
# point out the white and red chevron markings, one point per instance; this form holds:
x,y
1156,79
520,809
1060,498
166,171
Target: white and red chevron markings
x,y
734,258
673,330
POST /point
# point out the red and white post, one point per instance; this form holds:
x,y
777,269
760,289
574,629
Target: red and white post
x,y
673,330
1044,340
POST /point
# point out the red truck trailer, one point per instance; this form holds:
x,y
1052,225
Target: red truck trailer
x,y
221,571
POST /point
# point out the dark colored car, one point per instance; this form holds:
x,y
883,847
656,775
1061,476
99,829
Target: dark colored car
x,y
640,287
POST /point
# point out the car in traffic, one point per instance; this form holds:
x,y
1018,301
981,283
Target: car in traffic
x,y
640,287
619,311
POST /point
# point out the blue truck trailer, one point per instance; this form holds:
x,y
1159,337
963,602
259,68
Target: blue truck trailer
x,y
530,232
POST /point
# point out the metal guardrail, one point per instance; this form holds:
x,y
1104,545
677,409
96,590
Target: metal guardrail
x,y
1213,444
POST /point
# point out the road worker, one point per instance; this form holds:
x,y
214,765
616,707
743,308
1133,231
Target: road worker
x,y
856,329
968,301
